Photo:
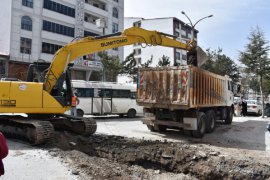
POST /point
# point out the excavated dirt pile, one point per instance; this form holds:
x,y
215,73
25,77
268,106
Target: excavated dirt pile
x,y
115,157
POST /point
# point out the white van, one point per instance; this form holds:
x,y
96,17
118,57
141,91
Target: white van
x,y
100,98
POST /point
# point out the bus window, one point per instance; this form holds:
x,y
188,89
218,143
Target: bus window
x,y
133,95
117,93
107,93
85,92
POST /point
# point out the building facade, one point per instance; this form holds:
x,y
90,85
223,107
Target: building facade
x,y
36,29
169,25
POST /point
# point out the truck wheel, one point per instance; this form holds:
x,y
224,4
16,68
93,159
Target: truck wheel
x,y
159,128
131,113
229,117
201,126
121,115
210,121
80,113
151,128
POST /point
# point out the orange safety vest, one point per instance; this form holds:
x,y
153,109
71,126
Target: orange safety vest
x,y
74,101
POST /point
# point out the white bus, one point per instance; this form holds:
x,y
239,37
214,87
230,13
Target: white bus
x,y
101,98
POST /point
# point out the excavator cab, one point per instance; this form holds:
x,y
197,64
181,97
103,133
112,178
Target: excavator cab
x,y
62,90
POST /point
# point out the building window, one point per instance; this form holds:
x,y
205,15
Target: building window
x,y
139,51
137,44
97,5
177,55
115,1
26,23
177,26
184,57
56,7
138,60
137,24
58,28
115,12
114,28
176,34
88,33
183,34
26,45
28,3
50,48
115,49
2,68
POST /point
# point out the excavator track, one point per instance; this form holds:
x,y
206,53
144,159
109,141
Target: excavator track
x,y
83,126
33,131
40,130
90,126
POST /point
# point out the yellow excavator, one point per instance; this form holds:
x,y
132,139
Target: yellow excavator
x,y
47,93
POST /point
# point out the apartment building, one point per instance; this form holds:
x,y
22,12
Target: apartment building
x,y
170,25
35,29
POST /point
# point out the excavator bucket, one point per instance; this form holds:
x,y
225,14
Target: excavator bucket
x,y
201,56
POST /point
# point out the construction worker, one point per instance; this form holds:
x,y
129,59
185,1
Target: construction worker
x,y
74,103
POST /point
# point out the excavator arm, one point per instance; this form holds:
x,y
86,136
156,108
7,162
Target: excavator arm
x,y
89,45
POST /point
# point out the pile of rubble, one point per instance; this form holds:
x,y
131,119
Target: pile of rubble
x,y
115,157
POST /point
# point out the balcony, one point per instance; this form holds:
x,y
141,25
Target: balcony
x,y
96,7
57,16
90,22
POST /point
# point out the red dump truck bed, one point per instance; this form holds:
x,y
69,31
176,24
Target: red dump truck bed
x,y
181,87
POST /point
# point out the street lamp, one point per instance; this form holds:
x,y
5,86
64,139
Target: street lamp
x,y
193,26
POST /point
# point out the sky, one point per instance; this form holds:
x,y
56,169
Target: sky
x,y
228,29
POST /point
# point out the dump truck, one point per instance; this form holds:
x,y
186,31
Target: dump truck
x,y
184,97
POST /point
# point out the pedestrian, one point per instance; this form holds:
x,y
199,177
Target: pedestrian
x,y
75,101
244,107
3,152
238,109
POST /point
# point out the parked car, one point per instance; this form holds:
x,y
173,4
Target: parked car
x,y
254,107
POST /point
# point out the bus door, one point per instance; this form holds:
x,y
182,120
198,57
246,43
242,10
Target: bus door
x,y
102,100
96,101
121,100
107,101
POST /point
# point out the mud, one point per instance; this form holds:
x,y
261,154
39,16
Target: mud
x,y
115,157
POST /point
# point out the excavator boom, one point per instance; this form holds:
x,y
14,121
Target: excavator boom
x,y
90,45
44,98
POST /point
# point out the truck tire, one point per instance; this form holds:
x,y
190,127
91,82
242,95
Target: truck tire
x,y
159,128
151,128
201,126
229,117
131,113
210,121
